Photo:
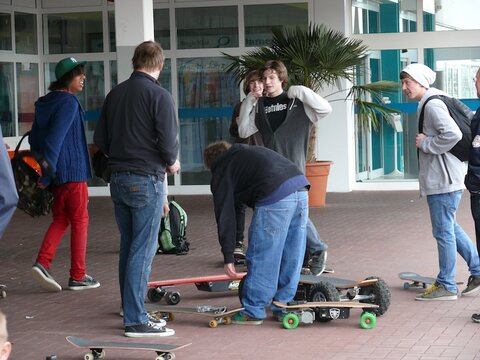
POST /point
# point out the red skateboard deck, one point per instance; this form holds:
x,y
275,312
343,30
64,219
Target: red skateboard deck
x,y
213,283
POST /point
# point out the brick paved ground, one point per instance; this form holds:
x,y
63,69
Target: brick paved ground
x,y
369,233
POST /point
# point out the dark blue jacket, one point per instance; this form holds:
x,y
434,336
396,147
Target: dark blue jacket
x,y
58,137
472,179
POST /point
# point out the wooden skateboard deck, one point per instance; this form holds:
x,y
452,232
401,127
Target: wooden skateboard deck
x,y
97,348
219,316
307,312
212,283
416,280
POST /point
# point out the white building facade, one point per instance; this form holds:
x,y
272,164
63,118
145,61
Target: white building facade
x,y
35,34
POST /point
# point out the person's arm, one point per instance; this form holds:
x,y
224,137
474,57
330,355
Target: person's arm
x,y
8,190
166,131
246,123
447,133
316,107
224,204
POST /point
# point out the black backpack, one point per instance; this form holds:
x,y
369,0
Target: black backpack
x,y
31,199
172,238
462,115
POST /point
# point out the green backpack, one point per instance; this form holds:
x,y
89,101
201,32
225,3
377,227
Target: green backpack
x,y
172,237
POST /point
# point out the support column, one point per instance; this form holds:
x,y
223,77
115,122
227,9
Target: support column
x,y
336,133
133,25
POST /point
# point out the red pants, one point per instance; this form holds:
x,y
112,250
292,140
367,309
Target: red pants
x,y
70,202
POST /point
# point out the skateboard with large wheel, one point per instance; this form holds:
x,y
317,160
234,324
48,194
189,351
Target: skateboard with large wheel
x,y
415,280
217,315
213,283
323,311
97,348
371,290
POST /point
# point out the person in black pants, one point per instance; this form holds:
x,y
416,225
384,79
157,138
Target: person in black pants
x,y
252,84
472,180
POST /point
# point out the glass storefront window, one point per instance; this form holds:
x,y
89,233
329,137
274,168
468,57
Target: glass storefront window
x,y
455,68
27,94
260,19
383,16
450,15
25,33
207,27
74,33
206,96
161,27
111,31
389,152
5,32
6,99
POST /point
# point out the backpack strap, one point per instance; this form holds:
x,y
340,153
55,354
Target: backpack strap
x,y
420,118
17,148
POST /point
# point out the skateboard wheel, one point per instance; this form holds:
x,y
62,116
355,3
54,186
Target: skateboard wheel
x,y
154,294
3,294
166,356
290,321
88,356
227,320
213,323
172,298
368,320
406,285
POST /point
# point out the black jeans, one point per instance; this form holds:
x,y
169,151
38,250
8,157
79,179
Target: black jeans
x,y
475,208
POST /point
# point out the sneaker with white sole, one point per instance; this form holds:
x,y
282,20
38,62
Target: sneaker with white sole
x,y
156,320
436,292
43,277
473,286
87,282
149,329
318,262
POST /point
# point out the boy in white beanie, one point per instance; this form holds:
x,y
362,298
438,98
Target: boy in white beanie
x,y
5,345
441,176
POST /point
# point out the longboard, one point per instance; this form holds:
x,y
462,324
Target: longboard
x,y
217,315
416,280
97,348
342,284
307,312
213,283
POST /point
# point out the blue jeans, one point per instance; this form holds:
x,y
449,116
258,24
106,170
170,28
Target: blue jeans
x,y
138,203
314,243
275,253
450,238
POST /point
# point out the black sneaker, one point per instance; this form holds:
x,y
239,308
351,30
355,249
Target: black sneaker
x,y
149,329
476,318
87,282
43,277
318,262
156,320
473,286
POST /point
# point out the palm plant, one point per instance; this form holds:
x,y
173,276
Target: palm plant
x,y
318,57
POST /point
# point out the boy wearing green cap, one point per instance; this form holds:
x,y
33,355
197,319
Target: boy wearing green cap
x,y
58,138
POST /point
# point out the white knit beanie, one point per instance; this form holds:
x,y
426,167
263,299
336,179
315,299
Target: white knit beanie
x,y
421,74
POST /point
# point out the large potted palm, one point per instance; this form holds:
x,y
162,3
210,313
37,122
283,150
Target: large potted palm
x,y
319,58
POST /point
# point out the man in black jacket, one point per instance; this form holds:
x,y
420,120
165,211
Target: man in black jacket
x,y
277,190
138,133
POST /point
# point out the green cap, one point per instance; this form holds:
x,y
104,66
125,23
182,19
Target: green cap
x,y
66,65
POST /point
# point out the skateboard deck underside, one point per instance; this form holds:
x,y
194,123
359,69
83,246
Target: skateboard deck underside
x,y
89,343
